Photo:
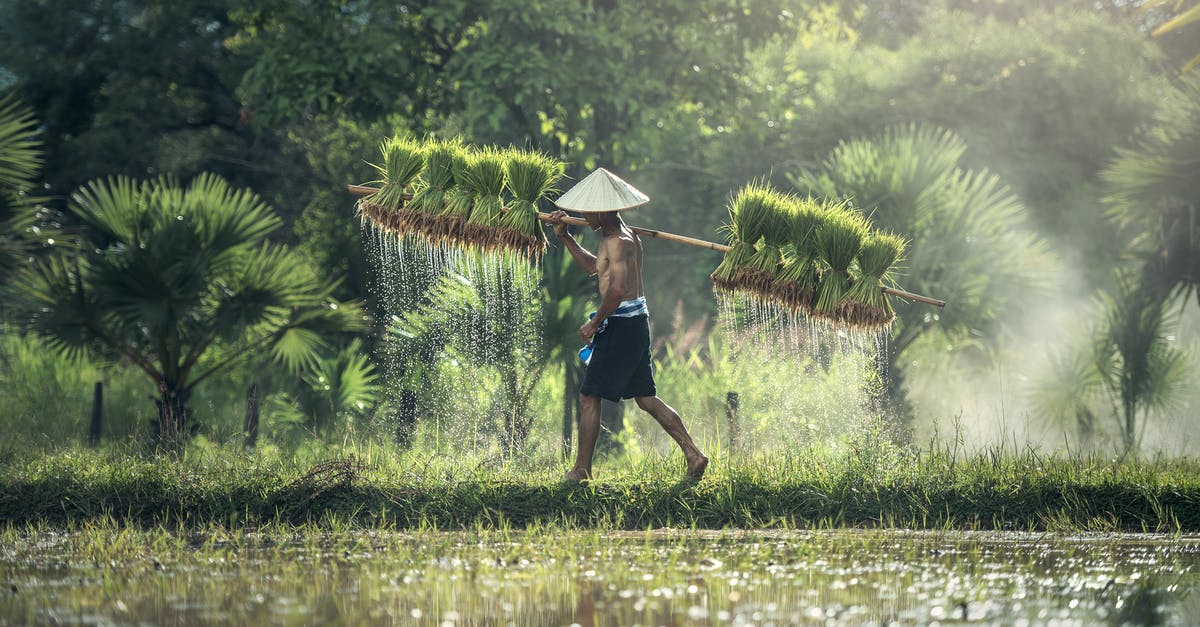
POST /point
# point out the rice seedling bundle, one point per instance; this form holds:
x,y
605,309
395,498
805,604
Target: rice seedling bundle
x,y
762,269
530,176
403,161
460,198
865,304
485,177
430,199
800,274
839,239
748,216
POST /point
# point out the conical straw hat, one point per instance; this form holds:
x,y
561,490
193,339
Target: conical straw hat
x,y
599,192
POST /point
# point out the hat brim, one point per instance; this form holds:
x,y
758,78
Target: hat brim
x,y
578,210
601,192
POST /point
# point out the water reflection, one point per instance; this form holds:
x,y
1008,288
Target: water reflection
x,y
592,579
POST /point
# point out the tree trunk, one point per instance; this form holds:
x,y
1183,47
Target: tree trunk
x,y
174,424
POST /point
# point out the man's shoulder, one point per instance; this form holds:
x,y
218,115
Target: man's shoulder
x,y
620,240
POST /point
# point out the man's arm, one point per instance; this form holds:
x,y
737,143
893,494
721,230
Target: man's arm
x,y
582,257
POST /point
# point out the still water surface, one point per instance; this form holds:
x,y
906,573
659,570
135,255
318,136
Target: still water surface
x,y
664,577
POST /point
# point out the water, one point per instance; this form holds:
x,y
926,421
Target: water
x,y
822,380
589,578
464,336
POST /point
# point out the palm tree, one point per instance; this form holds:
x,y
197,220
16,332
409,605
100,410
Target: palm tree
x,y
20,162
969,234
1154,193
181,283
1140,368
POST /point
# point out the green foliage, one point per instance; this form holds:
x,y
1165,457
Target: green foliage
x,y
20,163
1154,194
1136,359
339,390
133,88
48,397
171,275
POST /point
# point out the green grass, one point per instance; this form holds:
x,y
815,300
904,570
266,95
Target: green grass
x,y
869,483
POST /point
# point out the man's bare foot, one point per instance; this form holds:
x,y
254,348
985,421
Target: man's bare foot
x,y
579,475
696,467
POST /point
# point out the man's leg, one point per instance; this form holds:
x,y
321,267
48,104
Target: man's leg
x,y
589,430
669,419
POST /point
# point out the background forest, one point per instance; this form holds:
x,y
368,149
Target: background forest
x,y
176,226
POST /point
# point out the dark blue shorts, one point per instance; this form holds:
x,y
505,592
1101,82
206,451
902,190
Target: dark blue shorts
x,y
620,365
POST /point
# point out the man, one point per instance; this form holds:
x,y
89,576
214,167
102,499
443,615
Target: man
x,y
619,332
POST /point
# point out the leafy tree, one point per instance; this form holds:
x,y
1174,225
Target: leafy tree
x,y
20,161
1140,368
970,238
181,283
1154,194
131,87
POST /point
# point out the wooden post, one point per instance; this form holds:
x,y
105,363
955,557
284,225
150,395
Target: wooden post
x,y
731,411
97,415
250,428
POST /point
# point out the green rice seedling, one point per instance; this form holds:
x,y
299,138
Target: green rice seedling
x,y
403,161
485,177
866,304
460,198
748,216
839,239
430,199
530,176
762,269
800,274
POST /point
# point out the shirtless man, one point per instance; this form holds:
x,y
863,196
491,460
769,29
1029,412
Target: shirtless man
x,y
619,366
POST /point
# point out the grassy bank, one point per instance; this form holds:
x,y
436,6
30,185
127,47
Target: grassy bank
x,y
856,487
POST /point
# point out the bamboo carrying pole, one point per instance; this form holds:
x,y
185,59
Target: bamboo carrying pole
x,y
362,190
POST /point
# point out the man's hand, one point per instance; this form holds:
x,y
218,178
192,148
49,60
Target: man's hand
x,y
588,330
560,227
